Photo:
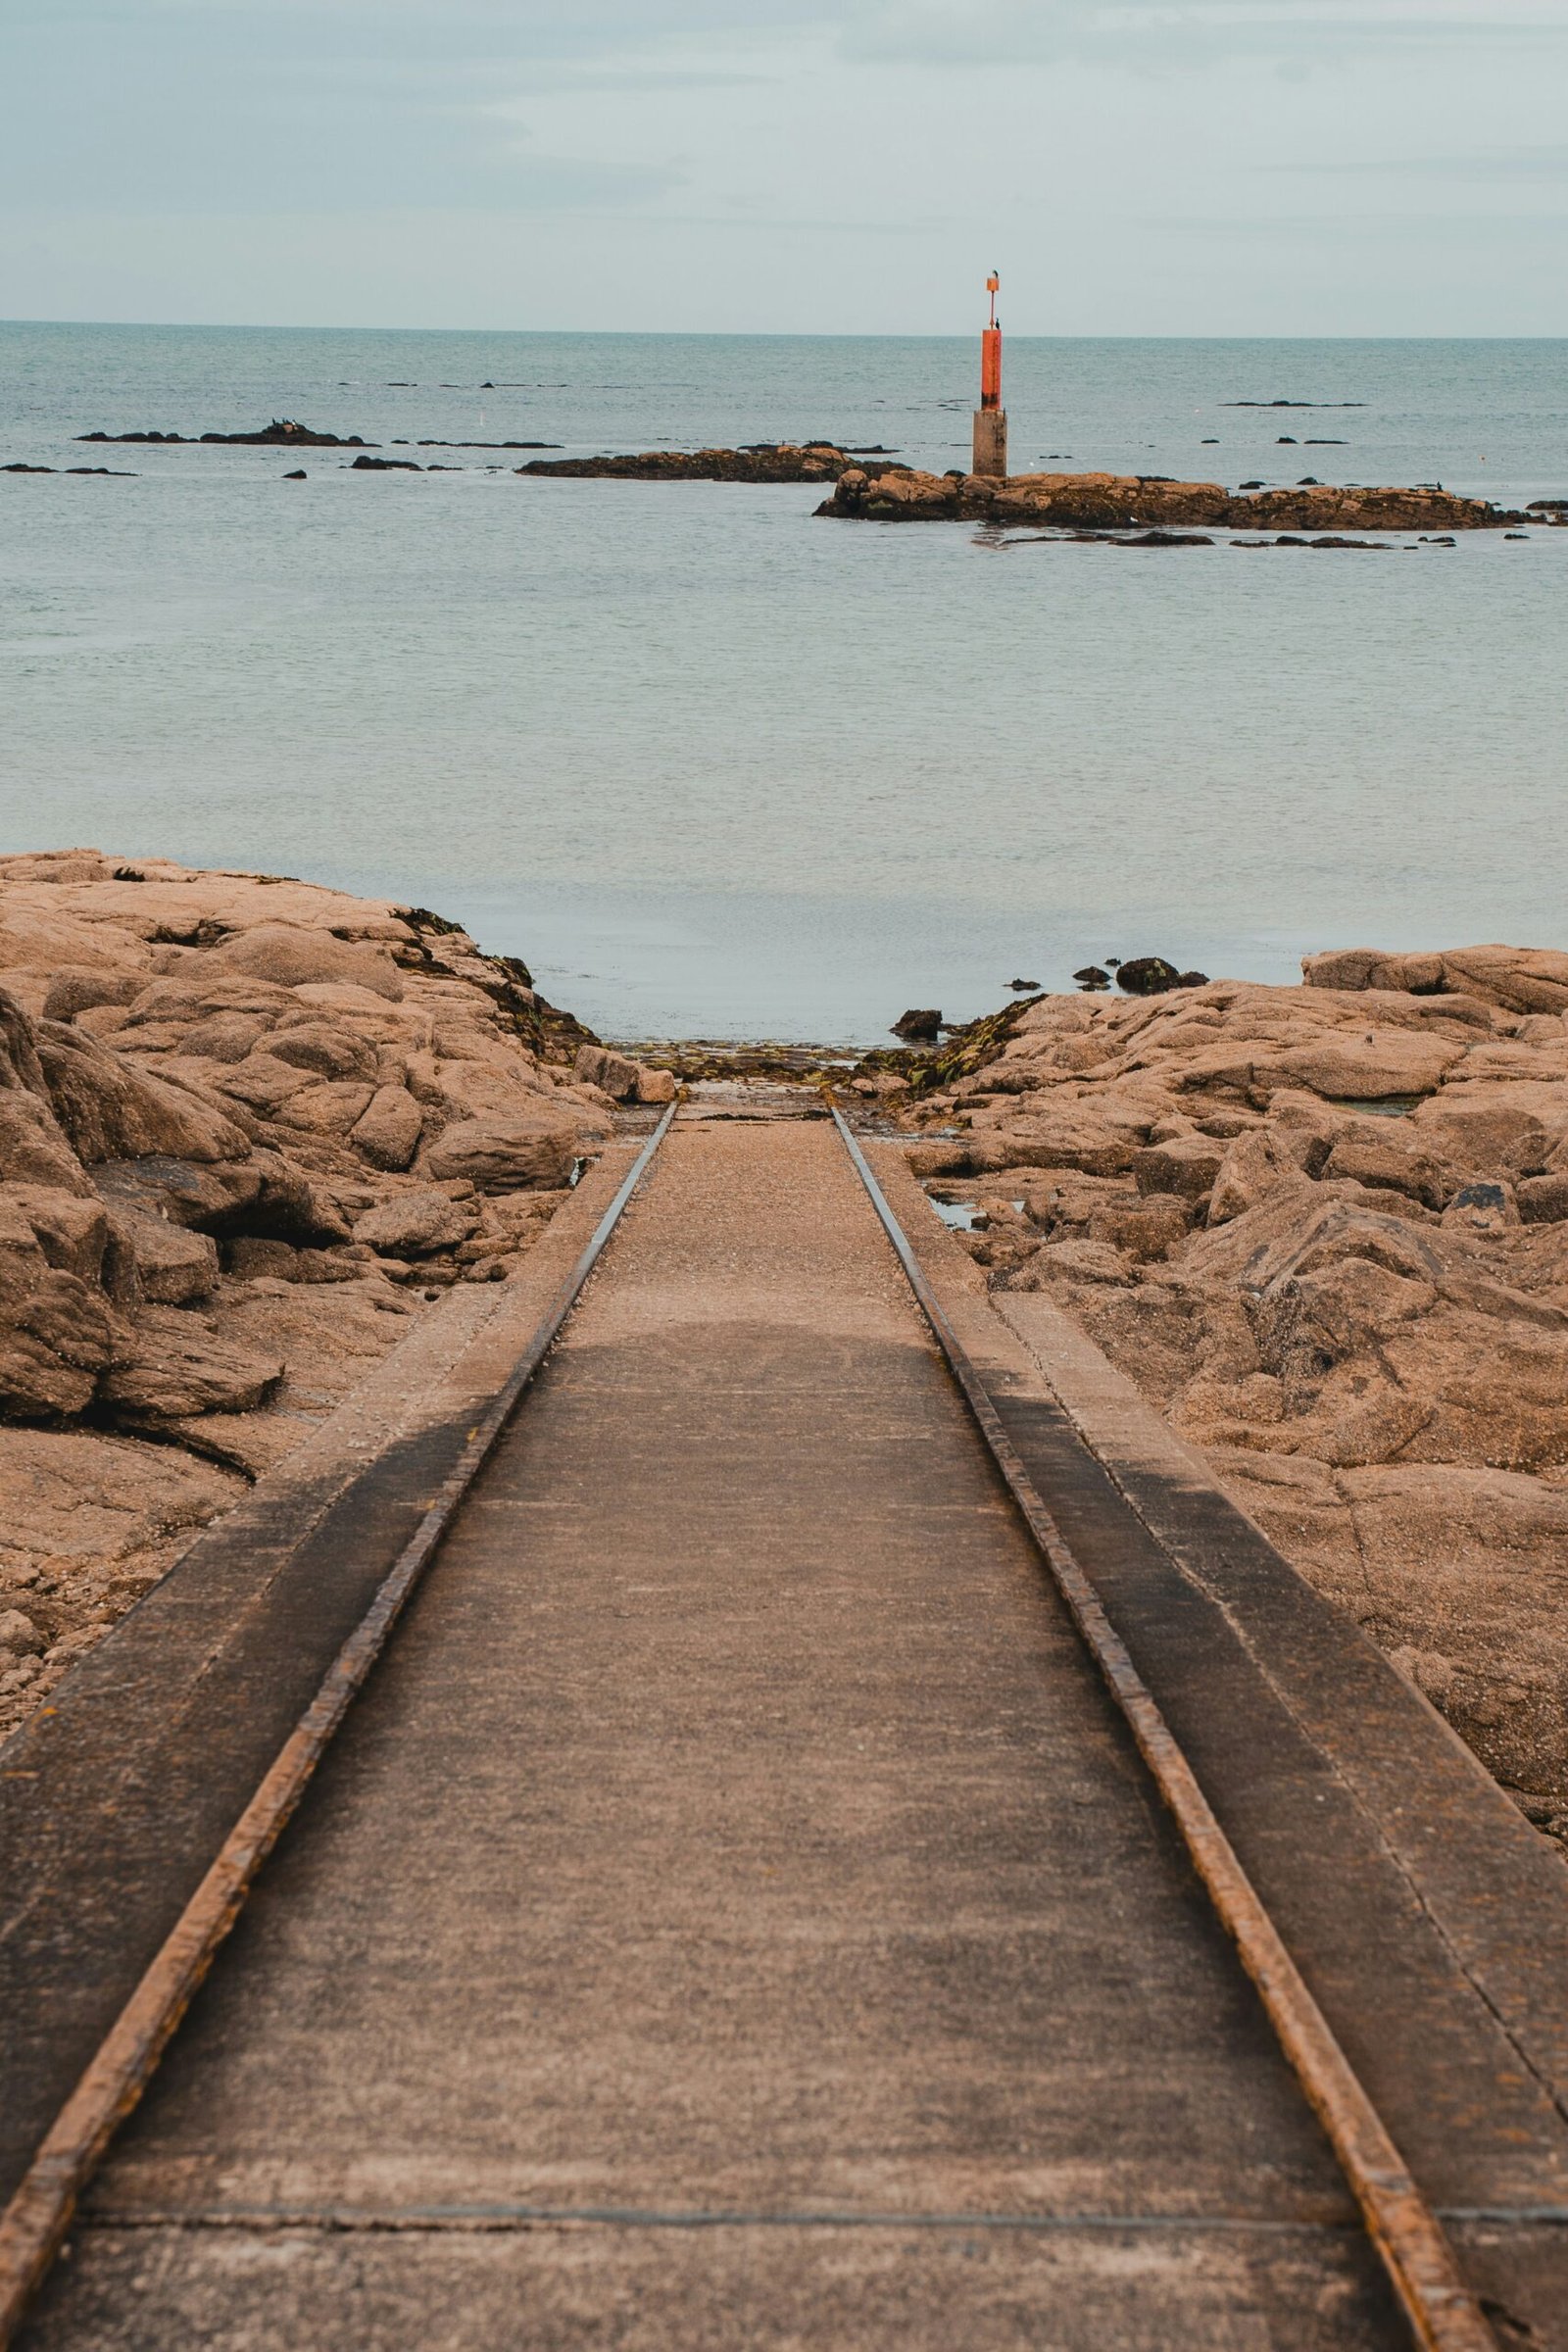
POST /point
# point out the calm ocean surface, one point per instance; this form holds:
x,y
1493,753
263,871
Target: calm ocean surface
x,y
716,768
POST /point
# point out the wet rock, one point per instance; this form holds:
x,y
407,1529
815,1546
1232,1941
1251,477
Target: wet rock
x,y
283,433
768,461
1147,976
920,1025
1483,1207
1091,977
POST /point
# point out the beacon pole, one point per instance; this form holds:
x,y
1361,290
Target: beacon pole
x,y
991,418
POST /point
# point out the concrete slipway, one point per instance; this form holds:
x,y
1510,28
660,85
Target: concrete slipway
x,y
735,1914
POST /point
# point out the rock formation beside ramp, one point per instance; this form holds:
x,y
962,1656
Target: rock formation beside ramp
x,y
1326,1230
1121,502
247,1127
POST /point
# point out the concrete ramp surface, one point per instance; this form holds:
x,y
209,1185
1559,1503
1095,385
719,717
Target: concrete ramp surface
x,y
734,1914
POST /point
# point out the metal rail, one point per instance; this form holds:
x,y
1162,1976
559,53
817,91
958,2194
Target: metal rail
x,y
38,2216
1442,2313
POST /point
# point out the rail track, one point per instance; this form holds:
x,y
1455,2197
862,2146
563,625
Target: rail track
x,y
747,1368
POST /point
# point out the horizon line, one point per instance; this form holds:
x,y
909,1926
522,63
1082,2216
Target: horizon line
x,y
720,334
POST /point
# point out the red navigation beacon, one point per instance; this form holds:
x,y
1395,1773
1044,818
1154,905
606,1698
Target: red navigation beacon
x,y
990,417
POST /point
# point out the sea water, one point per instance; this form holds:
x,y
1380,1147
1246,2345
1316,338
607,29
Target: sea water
x,y
716,767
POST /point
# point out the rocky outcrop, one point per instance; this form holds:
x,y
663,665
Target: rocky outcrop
x,y
1326,1229
1118,501
218,1092
282,433
767,462
1522,980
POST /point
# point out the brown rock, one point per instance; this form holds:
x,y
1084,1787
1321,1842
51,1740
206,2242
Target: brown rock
x,y
223,1036
1542,1200
414,1224
1492,1129
205,1199
288,955
1186,1164
660,1085
1074,1261
57,1332
387,1132
1393,1163
1257,1161
326,1108
509,1155
1519,979
33,1149
250,1256
71,1232
327,1048
19,1638
173,1267
111,1112
178,1366
77,987
1459,1570
1100,1141
1386,1063
615,1074
1148,1230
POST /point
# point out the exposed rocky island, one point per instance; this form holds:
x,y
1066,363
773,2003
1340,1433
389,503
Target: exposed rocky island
x,y
282,433
1120,502
248,1128
1325,1229
766,462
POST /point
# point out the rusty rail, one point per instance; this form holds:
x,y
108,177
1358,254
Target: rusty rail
x,y
1443,2314
35,2222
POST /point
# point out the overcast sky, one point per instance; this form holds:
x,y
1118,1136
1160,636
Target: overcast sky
x,y
1133,166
